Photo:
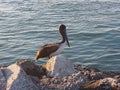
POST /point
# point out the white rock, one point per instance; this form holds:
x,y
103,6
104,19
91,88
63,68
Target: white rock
x,y
59,66
17,79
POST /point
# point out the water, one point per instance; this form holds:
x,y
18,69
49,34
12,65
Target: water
x,y
93,29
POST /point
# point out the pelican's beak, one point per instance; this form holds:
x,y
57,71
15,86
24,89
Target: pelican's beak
x,y
67,40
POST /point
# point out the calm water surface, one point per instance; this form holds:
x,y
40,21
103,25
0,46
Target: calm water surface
x,y
93,29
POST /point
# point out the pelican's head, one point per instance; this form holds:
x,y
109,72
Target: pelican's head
x,y
62,30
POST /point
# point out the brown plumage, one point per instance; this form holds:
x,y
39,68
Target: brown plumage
x,y
46,50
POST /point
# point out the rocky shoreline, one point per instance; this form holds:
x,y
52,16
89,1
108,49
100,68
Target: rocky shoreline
x,y
25,75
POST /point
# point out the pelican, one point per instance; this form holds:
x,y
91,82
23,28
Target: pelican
x,y
53,49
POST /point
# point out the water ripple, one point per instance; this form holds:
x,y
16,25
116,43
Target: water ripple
x,y
93,29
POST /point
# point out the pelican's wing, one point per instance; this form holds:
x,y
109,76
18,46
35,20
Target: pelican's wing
x,y
47,49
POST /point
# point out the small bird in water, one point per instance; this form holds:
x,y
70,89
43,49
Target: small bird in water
x,y
53,49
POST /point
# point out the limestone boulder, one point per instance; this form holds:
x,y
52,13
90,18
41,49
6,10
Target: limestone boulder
x,y
59,66
17,79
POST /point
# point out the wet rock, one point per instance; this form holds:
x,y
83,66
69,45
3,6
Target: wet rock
x,y
59,66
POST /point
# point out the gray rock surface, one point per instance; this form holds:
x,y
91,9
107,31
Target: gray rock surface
x,y
103,84
17,79
59,66
70,82
2,80
25,75
31,69
95,74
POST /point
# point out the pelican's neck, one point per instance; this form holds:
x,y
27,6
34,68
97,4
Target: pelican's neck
x,y
63,39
